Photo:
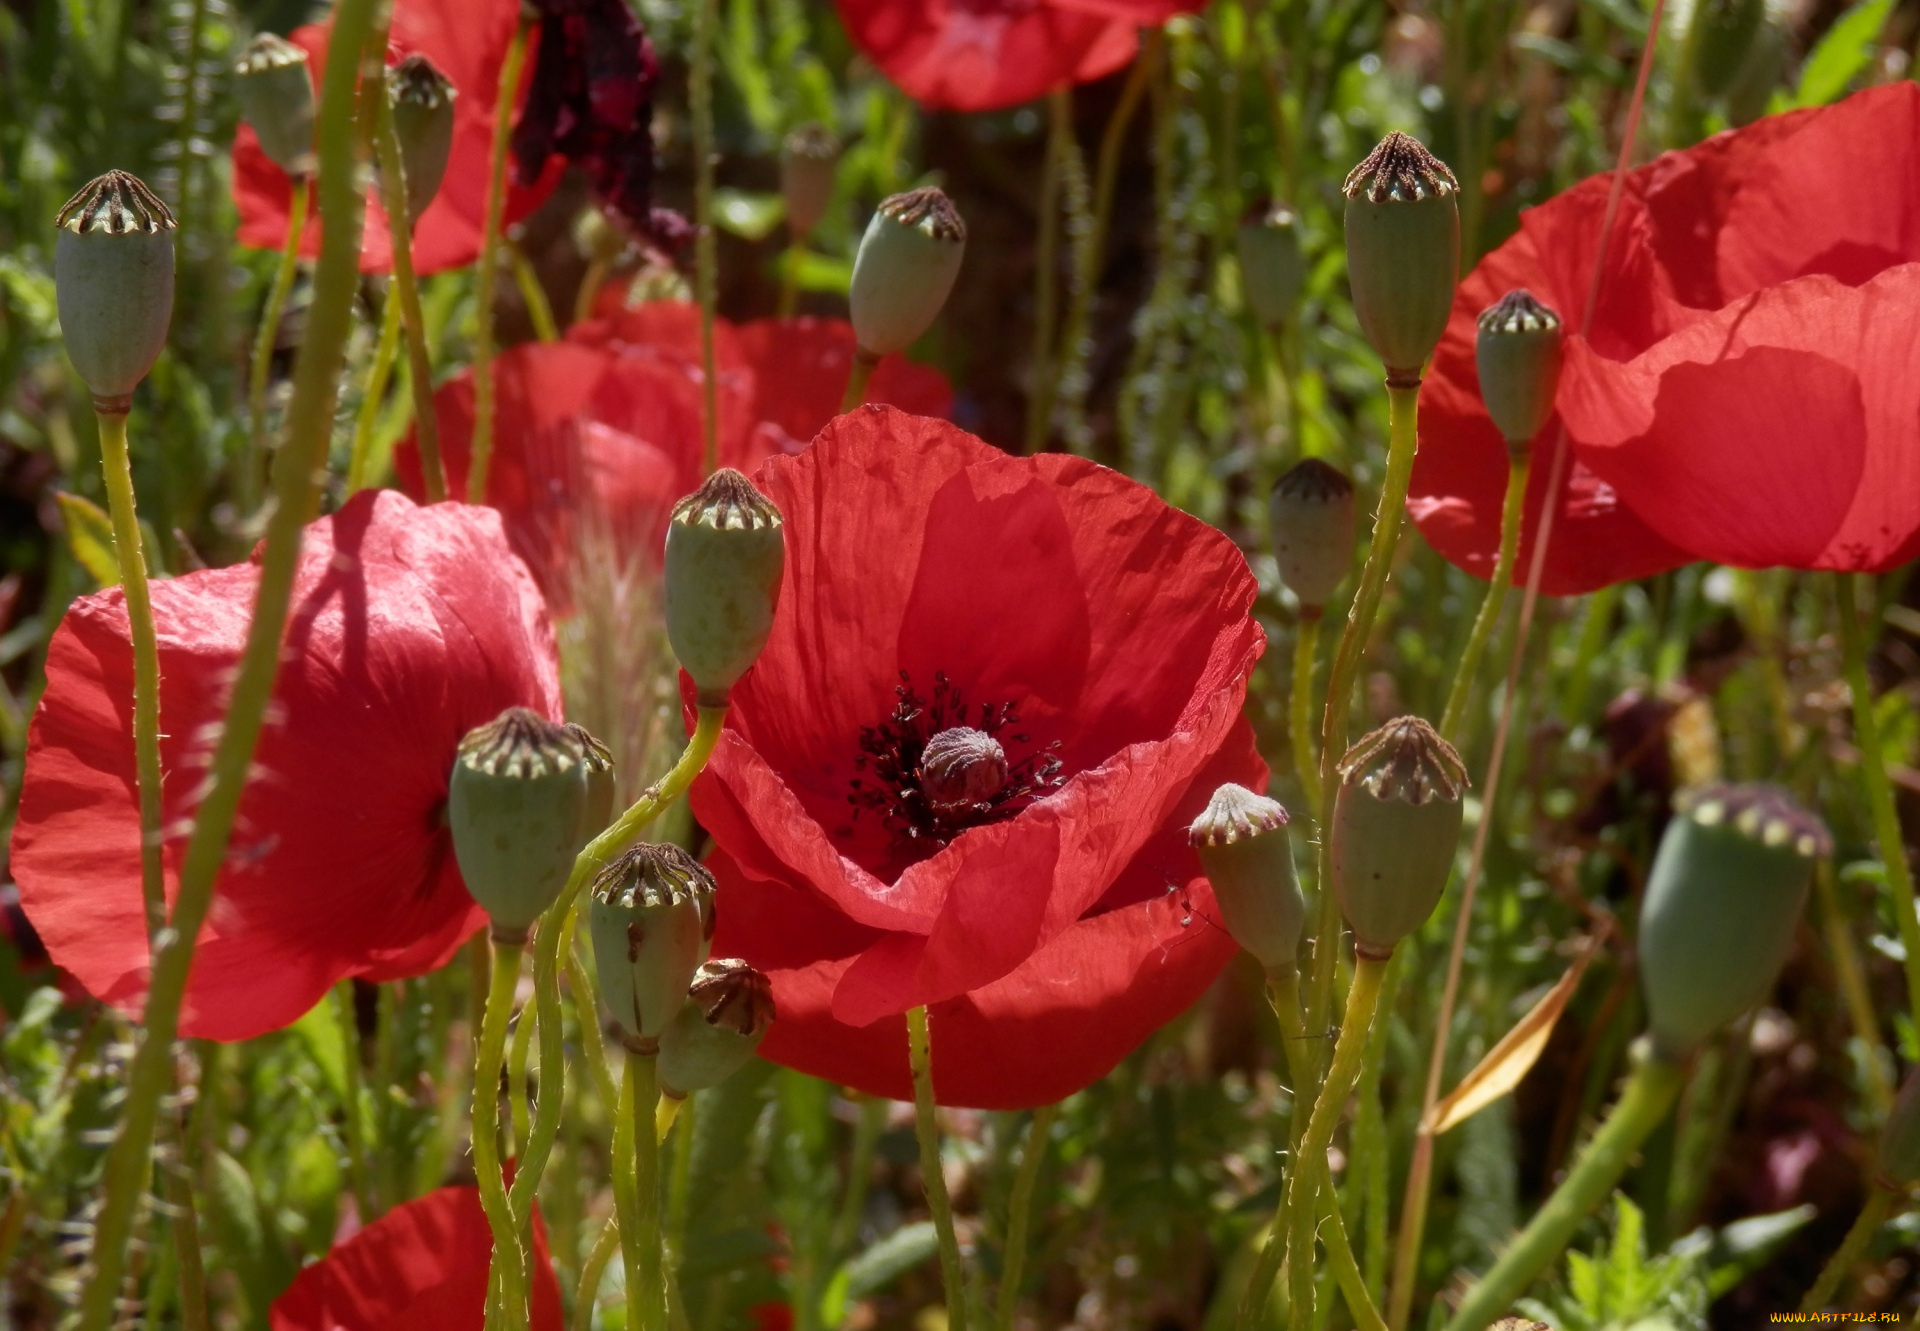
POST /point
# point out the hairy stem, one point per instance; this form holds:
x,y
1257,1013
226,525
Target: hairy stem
x,y
1020,1213
509,1268
1494,601
393,188
1306,758
927,1129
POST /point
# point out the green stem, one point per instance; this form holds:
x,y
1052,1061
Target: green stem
x,y
519,1055
1495,600
705,261
866,1144
532,294
790,278
1853,989
590,285
355,1125
857,376
593,1272
315,391
1873,772
1283,993
927,1129
1020,1213
359,460
1045,270
646,1301
1346,1271
626,1187
1306,760
186,1234
254,466
117,469
1648,1095
509,1266
393,185
488,273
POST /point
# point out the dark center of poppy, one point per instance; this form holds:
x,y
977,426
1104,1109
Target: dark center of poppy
x,y
937,766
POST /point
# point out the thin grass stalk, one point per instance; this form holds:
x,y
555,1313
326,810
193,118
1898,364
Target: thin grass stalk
x,y
532,294
593,1272
1493,602
1306,757
1033,1155
1046,277
1853,989
926,1125
487,274
1872,1215
254,466
358,1182
705,259
393,188
360,456
178,1174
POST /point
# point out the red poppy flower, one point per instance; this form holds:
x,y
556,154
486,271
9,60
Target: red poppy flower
x,y
961,772
983,55
409,627
1746,394
421,1265
468,40
596,436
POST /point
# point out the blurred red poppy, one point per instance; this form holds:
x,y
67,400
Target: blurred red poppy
x,y
409,627
983,55
1746,394
421,1265
960,774
468,40
597,436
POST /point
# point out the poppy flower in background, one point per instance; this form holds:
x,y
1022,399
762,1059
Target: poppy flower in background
x,y
421,1265
960,773
468,40
1746,394
985,55
409,627
598,435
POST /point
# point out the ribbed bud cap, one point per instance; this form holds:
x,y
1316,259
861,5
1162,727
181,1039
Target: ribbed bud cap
x,y
728,1010
962,768
1518,350
275,90
113,282
422,99
598,759
725,553
1897,1161
1396,825
516,803
1312,516
1241,839
650,918
1272,268
1723,898
1403,251
808,160
905,269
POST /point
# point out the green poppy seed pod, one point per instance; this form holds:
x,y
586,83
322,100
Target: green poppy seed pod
x,y
1311,510
1403,251
905,269
1272,269
1396,823
598,759
276,97
113,280
1518,349
725,551
1897,1161
1722,900
515,804
422,99
1241,839
1752,89
728,1009
650,918
808,160
1723,34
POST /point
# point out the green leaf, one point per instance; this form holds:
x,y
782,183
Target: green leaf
x,y
29,292
749,215
889,1259
258,1260
1846,50
319,1030
90,537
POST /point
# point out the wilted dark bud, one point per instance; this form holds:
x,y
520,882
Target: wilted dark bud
x,y
651,915
1241,839
808,159
1519,350
422,100
728,1009
515,805
1403,251
1898,1159
276,97
598,760
1723,33
113,280
1396,823
1751,92
725,551
1272,269
905,269
1725,893
1311,510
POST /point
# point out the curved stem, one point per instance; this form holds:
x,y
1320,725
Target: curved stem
x,y
1283,994
1649,1093
1872,1215
646,1301
1495,600
927,1129
592,1273
519,1055
590,285
705,263
360,458
315,391
532,294
393,189
1020,1213
487,275
255,465
1306,759
509,1261
1346,1271
866,1143
857,376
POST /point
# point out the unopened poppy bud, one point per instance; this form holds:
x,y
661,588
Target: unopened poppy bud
x,y
1403,251
905,269
1723,33
1898,1159
113,283
598,759
1272,268
728,1009
276,97
1722,901
1396,824
808,160
515,805
1518,349
962,769
725,551
651,915
422,100
1241,839
1311,510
